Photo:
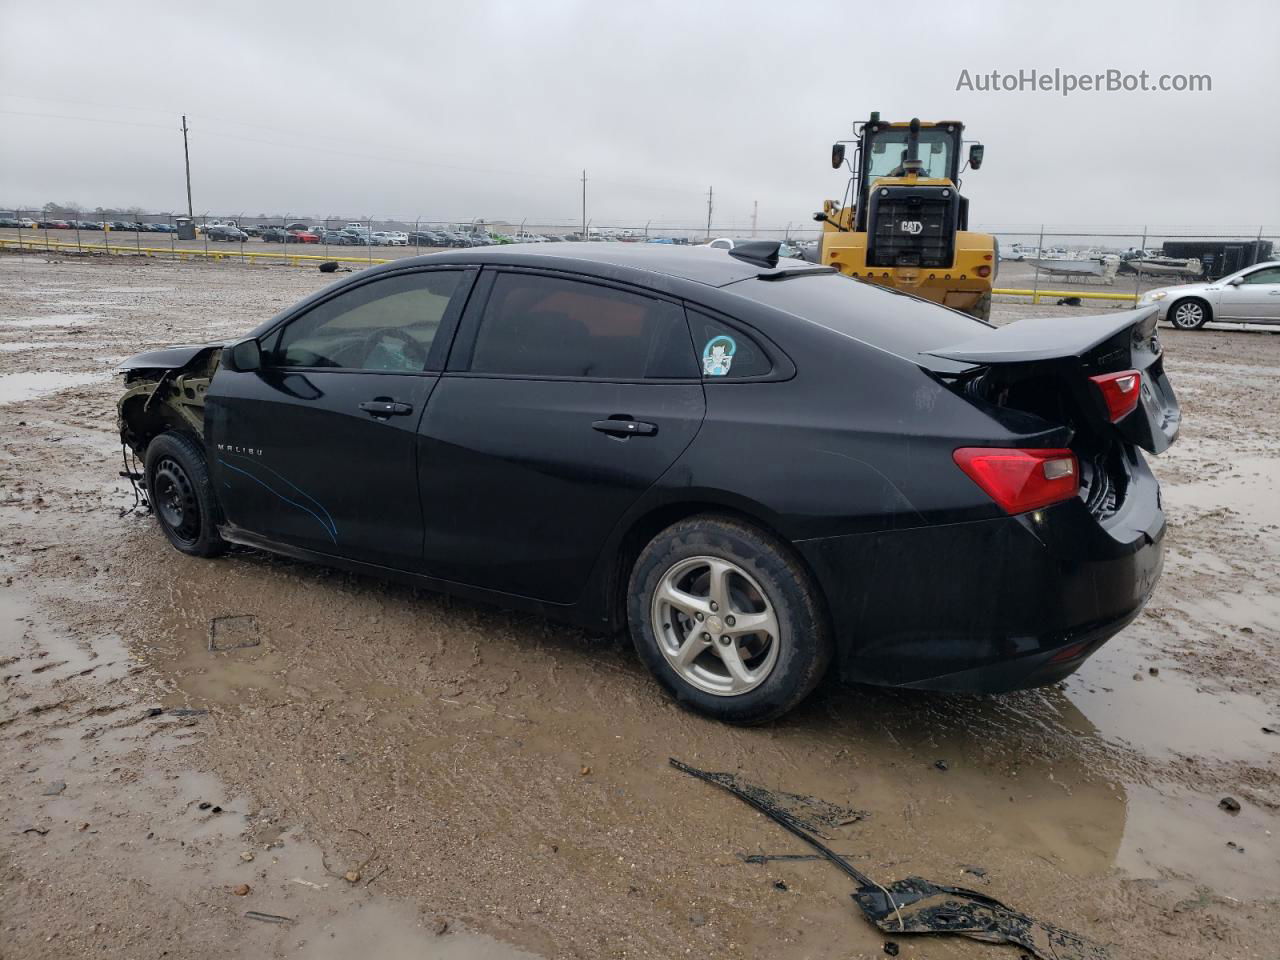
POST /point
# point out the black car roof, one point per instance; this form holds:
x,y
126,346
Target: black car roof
x,y
715,268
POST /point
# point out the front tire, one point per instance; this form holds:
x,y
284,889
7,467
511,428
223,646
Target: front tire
x,y
181,495
1190,314
727,620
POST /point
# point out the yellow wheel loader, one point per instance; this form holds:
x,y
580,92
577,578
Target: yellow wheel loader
x,y
903,222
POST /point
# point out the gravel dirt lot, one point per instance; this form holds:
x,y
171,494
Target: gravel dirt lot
x,y
405,775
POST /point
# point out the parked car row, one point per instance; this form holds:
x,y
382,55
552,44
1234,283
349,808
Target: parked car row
x,y
352,234
56,224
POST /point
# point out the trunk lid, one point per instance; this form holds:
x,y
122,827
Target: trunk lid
x,y
1043,366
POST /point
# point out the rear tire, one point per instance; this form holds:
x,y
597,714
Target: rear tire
x,y
181,495
695,591
1189,314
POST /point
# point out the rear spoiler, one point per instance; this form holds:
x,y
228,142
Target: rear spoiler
x,y
1049,338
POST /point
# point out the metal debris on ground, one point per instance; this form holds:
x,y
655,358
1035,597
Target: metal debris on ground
x,y
918,906
267,917
175,712
804,812
1229,804
762,858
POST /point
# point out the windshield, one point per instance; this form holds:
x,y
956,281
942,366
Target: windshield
x,y
888,149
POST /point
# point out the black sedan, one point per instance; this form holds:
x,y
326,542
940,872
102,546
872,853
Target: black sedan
x,y
225,232
758,466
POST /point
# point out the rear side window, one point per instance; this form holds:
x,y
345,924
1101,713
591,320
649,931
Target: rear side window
x,y
554,327
725,352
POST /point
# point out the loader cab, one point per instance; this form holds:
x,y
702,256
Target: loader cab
x,y
929,154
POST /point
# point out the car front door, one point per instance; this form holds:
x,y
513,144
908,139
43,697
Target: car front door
x,y
564,400
1256,298
316,449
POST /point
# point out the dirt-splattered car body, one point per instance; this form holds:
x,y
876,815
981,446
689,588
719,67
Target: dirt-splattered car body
x,y
845,443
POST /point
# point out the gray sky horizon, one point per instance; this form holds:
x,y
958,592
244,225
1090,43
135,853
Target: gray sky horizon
x,y
492,109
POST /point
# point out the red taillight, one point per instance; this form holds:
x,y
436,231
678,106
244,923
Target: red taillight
x,y
1021,480
983,271
1119,392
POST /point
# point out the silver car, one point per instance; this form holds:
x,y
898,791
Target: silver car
x,y
1251,295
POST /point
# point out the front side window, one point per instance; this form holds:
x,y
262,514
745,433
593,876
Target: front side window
x,y
386,325
1265,275
544,326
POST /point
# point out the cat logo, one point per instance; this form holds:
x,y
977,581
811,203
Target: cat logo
x,y
912,227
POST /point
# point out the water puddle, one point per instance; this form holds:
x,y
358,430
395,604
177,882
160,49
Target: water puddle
x,y
1248,490
1167,713
20,387
1168,828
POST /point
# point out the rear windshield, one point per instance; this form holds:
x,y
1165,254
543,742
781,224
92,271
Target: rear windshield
x,y
885,319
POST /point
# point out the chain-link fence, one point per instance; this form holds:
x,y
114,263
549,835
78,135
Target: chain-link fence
x,y
1035,261
304,234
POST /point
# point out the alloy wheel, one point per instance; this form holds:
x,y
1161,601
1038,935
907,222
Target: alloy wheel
x,y
715,626
1188,316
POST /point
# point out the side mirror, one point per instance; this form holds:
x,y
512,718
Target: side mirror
x,y
243,357
837,156
820,217
1235,281
975,156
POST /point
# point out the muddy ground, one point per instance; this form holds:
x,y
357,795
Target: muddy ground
x,y
379,765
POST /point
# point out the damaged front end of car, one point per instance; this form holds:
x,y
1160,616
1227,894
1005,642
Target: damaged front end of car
x,y
164,390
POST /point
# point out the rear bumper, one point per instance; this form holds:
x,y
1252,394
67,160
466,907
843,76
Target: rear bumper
x,y
992,605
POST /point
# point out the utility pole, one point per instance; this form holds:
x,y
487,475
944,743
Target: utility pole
x,y
584,206
710,198
186,155
755,212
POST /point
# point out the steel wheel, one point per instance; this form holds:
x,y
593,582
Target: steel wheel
x,y
1188,315
715,626
175,500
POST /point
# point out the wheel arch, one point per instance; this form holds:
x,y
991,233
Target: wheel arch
x,y
142,421
643,525
1192,297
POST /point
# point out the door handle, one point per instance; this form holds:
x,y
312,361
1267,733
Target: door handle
x,y
386,408
625,428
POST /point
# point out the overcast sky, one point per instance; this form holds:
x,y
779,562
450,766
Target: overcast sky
x,y
455,110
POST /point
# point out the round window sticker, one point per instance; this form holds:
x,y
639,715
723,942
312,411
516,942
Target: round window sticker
x,y
717,356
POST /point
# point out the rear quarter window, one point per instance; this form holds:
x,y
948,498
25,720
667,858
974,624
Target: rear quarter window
x,y
882,318
725,352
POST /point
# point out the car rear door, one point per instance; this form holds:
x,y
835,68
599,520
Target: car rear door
x,y
1256,298
317,449
565,398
